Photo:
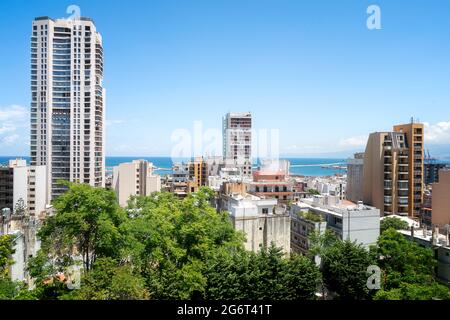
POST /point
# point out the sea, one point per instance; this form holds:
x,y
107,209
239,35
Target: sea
x,y
299,166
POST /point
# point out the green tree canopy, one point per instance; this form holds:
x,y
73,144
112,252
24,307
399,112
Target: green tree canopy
x,y
408,270
86,224
263,275
6,252
393,222
344,269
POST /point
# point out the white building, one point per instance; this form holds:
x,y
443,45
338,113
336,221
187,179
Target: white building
x,y
261,220
237,141
68,102
347,220
133,179
25,183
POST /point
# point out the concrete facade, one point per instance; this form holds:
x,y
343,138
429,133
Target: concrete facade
x,y
354,189
27,184
68,102
237,141
261,221
347,220
441,200
134,179
272,185
415,134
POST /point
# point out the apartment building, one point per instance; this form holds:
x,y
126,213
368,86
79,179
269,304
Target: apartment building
x,y
354,190
237,141
272,185
303,224
67,102
134,179
198,172
27,184
414,133
261,220
179,185
440,215
393,170
349,221
427,209
431,171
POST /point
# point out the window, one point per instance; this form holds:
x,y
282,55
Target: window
x,y
265,210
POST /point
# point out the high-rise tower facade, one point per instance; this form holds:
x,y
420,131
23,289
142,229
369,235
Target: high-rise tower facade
x,y
68,102
414,133
237,140
393,170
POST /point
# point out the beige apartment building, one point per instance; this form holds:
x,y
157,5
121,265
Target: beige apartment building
x,y
415,138
393,170
133,179
441,200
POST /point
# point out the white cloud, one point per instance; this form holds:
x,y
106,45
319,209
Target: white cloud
x,y
7,127
357,141
13,113
14,127
438,133
10,140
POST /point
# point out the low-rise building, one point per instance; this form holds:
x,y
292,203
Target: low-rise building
x,y
23,229
303,224
261,220
272,185
180,179
349,221
20,182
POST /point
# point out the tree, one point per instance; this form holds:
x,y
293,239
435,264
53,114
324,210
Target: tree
x,y
344,269
87,223
320,242
313,191
6,252
403,261
8,289
393,222
301,278
263,275
407,269
109,281
176,238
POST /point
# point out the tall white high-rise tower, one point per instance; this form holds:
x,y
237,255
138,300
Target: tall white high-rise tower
x,y
237,141
68,102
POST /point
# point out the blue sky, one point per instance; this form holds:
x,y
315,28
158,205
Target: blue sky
x,y
311,69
